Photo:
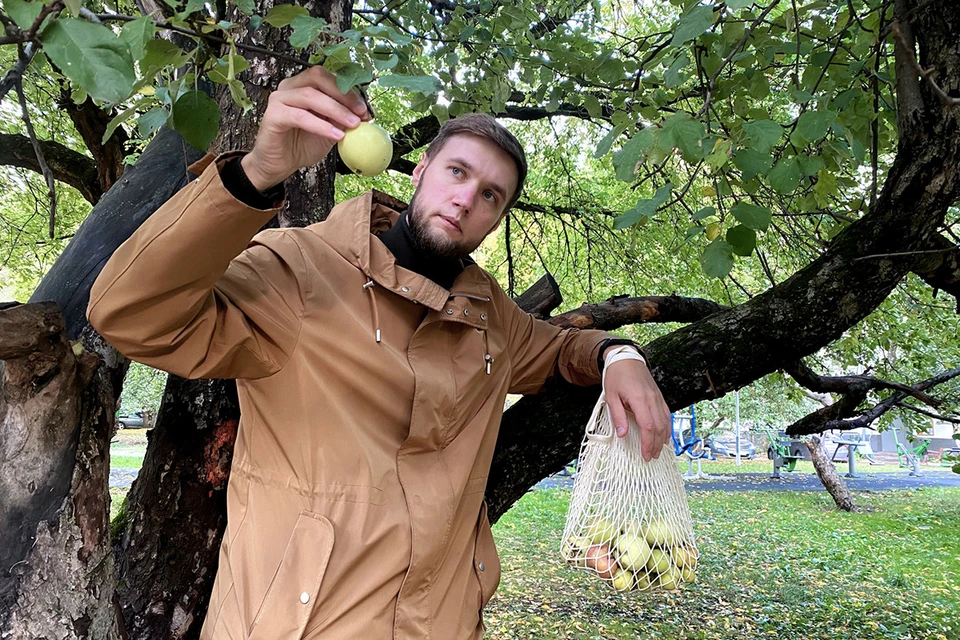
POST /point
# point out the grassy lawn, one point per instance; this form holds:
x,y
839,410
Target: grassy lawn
x,y
773,565
762,465
128,448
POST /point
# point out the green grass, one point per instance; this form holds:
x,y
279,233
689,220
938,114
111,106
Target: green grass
x,y
125,462
762,465
772,565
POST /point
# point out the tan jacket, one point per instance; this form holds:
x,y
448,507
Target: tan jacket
x,y
355,503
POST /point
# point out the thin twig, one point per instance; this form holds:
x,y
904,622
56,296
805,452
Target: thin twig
x,y
41,160
903,253
162,24
929,414
711,83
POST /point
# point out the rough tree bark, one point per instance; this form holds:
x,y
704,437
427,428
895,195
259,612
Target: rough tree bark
x,y
78,608
716,354
91,122
56,564
67,165
829,476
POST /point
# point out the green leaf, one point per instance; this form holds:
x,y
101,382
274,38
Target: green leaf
x,y
752,162
352,75
197,118
220,73
385,64
717,259
810,165
151,121
23,13
826,187
122,117
247,7
763,134
692,233
137,34
306,30
92,56
604,147
644,208
239,94
692,24
161,53
720,154
688,133
785,176
739,4
751,215
73,6
813,125
427,85
674,75
743,239
283,14
630,154
705,212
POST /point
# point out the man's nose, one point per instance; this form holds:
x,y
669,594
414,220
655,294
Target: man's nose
x,y
465,196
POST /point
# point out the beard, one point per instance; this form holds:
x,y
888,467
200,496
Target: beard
x,y
432,243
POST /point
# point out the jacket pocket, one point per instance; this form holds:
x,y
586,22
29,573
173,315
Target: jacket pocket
x,y
292,594
486,562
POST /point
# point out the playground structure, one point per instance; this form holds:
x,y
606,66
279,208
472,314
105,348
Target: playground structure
x,y
782,450
693,447
910,457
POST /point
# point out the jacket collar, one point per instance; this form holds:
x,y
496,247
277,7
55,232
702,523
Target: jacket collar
x,y
350,229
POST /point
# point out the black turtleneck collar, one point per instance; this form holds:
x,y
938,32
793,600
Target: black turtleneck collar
x,y
401,243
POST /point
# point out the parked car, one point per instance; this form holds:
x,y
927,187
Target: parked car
x,y
724,445
130,420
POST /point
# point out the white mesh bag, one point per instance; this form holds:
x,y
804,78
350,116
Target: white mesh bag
x,y
628,521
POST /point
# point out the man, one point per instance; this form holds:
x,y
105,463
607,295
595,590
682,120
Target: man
x,y
371,371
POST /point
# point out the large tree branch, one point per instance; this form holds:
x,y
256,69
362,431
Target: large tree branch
x,y
803,374
620,311
840,414
67,165
91,123
420,132
941,269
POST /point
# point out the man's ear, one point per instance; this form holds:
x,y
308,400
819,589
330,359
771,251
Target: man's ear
x,y
418,170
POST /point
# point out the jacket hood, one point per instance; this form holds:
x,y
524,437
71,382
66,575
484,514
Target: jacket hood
x,y
351,230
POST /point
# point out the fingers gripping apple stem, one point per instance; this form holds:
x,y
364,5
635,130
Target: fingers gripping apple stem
x,y
305,117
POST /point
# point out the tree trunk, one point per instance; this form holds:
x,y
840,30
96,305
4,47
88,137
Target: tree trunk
x,y
828,475
57,578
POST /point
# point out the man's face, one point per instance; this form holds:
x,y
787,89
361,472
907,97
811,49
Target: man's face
x,y
461,195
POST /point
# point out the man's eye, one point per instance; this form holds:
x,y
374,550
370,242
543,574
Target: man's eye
x,y
456,171
490,195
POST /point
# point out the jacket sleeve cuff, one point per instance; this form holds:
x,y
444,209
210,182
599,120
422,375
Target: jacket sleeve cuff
x,y
234,179
612,342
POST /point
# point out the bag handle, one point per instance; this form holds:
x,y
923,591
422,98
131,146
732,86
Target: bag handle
x,y
593,422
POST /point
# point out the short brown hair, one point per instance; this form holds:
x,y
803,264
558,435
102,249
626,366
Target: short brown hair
x,y
486,127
